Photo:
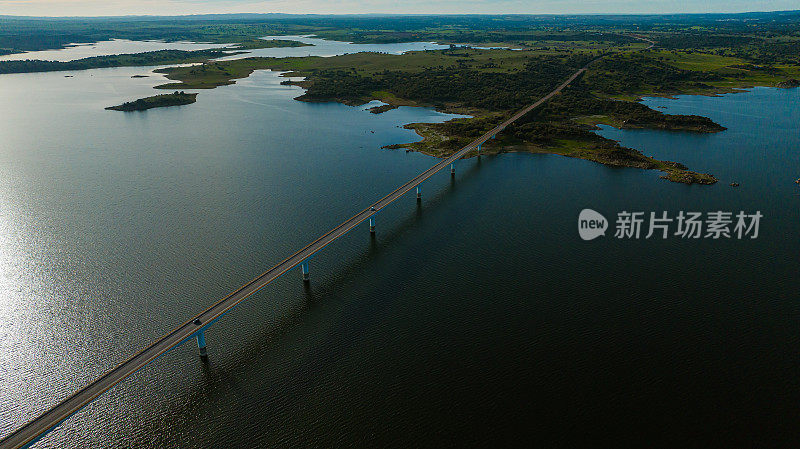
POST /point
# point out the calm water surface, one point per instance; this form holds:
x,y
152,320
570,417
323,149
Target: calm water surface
x,y
477,317
104,48
320,47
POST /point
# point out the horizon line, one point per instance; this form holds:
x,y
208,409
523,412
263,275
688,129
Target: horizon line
x,y
641,14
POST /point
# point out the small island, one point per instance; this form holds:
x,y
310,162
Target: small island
x,y
382,108
254,44
156,101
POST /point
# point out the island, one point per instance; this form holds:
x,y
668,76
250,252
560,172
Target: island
x,y
488,85
156,101
624,62
253,44
157,57
382,108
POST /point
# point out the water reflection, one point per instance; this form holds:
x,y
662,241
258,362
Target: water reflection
x,y
104,48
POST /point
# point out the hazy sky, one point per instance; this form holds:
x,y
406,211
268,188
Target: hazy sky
x,y
171,7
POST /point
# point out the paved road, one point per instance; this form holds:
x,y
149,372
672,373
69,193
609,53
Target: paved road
x,y
33,430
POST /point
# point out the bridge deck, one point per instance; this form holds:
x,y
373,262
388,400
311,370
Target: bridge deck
x,y
33,430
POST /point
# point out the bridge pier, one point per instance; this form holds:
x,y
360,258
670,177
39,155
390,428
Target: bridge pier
x,y
372,224
419,194
201,344
304,269
452,169
479,149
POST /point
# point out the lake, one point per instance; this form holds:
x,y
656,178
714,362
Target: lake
x,y
320,47
478,316
105,48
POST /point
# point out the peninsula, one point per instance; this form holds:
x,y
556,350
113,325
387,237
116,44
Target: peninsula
x,y
158,57
696,56
487,84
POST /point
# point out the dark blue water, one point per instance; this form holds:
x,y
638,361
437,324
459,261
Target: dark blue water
x,y
476,318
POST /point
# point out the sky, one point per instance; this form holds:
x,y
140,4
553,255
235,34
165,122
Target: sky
x,y
180,7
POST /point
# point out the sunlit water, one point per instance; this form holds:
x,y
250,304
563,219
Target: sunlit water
x,y
478,316
320,47
104,48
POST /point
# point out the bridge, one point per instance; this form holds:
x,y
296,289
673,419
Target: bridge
x,y
195,327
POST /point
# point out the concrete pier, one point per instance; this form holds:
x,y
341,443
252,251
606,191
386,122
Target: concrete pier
x,y
201,344
304,268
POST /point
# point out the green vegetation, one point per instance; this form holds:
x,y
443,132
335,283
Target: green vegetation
x,y
160,57
489,84
692,54
658,72
253,44
19,34
156,101
486,79
382,108
210,74
769,37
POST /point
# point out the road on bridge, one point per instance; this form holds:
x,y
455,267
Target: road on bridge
x,y
33,430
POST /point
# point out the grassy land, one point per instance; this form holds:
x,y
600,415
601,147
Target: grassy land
x,y
694,55
489,84
215,74
667,73
591,147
